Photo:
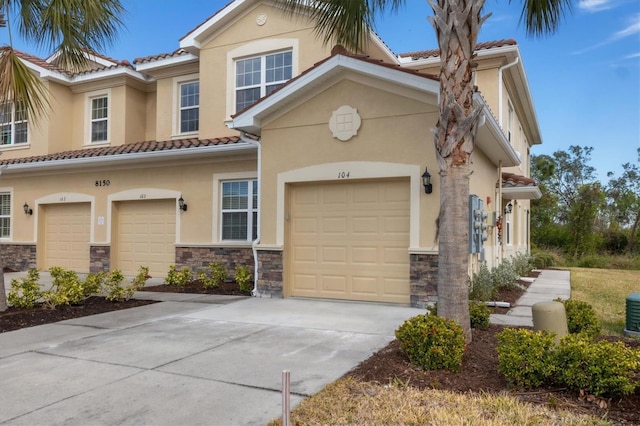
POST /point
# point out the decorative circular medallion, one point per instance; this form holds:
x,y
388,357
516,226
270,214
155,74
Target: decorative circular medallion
x,y
261,19
345,123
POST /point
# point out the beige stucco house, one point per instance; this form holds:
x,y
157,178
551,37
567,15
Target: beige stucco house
x,y
253,143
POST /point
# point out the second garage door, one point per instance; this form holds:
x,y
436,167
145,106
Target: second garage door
x,y
67,234
146,236
350,241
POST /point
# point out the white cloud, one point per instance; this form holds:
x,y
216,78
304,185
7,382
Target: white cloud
x,y
632,29
595,5
633,55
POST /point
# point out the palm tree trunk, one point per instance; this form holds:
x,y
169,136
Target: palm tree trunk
x,y
457,23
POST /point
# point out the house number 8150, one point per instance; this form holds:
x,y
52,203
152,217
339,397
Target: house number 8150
x,y
343,175
103,182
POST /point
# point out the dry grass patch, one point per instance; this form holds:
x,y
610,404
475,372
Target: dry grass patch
x,y
348,402
606,290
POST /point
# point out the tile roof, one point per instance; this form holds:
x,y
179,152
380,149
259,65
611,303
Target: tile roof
x,y
130,148
434,53
175,53
95,66
512,180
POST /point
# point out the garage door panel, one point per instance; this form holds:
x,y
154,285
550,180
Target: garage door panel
x,y
146,236
363,241
67,234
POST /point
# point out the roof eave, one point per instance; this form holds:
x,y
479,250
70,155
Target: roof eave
x,y
521,192
491,140
166,62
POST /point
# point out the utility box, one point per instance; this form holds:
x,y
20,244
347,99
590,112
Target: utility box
x,y
552,317
632,327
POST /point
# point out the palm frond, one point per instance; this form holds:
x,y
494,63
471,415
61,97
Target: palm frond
x,y
543,17
345,22
20,86
70,26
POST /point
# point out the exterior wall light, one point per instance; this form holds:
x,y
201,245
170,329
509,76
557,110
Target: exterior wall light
x,y
426,181
181,204
508,209
27,210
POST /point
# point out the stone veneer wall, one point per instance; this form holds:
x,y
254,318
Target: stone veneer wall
x,y
424,279
19,257
197,258
99,259
270,280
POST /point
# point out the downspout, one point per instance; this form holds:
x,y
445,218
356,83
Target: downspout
x,y
254,243
500,102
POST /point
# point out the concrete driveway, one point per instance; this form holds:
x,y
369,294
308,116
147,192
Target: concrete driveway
x,y
210,361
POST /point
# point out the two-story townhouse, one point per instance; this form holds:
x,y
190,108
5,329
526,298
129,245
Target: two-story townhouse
x,y
254,143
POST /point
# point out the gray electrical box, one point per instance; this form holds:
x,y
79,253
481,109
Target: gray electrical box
x,y
477,225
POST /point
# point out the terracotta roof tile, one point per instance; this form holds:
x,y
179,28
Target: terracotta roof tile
x,y
512,180
160,56
38,61
130,148
52,67
434,53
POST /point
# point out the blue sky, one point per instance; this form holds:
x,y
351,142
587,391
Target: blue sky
x,y
584,79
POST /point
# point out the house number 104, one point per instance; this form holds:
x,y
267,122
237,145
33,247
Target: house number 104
x,y
343,175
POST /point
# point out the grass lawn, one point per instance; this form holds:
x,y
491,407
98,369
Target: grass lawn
x,y
606,290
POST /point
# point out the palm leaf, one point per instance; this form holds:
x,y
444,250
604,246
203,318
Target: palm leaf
x,y
20,86
542,17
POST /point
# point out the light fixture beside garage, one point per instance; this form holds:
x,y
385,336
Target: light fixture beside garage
x,y
426,181
508,209
181,204
28,211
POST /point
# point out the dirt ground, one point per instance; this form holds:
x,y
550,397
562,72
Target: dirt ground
x,y
389,365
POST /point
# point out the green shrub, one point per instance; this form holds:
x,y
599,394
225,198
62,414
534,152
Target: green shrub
x,y
481,285
525,357
243,278
521,263
93,283
479,314
592,261
432,342
66,288
581,318
25,292
504,275
117,292
178,278
600,368
216,276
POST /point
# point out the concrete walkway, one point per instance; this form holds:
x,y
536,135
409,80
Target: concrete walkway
x,y
549,285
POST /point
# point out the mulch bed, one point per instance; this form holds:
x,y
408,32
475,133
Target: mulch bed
x,y
227,288
16,318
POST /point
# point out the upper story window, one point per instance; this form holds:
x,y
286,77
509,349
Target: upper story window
x,y
510,115
189,106
259,76
5,215
13,124
100,119
240,210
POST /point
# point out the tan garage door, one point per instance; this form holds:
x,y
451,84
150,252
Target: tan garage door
x,y
145,236
67,234
350,240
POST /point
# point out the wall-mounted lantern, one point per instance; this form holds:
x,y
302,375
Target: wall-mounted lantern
x,y
181,204
426,181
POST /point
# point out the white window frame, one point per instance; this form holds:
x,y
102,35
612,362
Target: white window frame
x,y
262,85
178,82
253,49
12,132
250,210
9,192
510,114
89,98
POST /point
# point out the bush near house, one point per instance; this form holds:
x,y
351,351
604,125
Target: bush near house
x,y
177,277
485,284
243,278
581,318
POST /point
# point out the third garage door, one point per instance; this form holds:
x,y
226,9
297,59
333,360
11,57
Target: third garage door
x,y
146,236
350,240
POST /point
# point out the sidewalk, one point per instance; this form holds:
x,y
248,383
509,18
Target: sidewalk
x,y
549,285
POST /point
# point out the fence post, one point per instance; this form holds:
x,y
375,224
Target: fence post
x,y
286,397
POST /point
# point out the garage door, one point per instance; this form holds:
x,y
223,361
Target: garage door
x,y
350,241
67,233
145,236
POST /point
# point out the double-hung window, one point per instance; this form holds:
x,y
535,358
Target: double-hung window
x,y
240,210
259,76
13,123
5,215
100,119
189,106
